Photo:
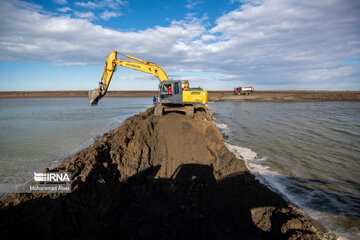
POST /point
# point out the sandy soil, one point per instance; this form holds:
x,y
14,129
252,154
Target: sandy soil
x,y
166,177
213,95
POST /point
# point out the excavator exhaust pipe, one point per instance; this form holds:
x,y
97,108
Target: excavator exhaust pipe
x,y
95,95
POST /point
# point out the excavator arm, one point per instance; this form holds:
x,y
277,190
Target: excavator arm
x,y
110,66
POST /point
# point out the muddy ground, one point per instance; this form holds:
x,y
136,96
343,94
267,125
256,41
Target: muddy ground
x,y
156,177
213,95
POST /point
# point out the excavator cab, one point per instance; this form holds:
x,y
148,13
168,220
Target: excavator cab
x,y
169,92
175,95
180,93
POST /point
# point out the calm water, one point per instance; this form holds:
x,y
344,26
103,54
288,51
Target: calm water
x,y
308,152
40,132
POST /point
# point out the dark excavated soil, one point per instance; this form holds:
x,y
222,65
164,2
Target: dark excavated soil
x,y
167,177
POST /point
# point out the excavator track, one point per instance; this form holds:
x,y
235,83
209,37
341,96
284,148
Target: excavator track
x,y
161,109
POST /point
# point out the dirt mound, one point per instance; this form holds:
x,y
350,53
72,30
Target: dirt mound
x,y
167,177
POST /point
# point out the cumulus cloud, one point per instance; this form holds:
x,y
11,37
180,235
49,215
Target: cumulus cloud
x,y
113,4
191,4
62,2
87,4
106,15
87,15
32,36
275,44
64,9
287,39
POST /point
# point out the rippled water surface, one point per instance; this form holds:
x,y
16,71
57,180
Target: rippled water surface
x,y
308,152
40,132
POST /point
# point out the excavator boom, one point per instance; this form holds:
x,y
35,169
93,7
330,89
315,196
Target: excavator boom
x,y
182,94
110,67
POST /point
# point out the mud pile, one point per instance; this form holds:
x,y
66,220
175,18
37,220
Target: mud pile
x,y
167,177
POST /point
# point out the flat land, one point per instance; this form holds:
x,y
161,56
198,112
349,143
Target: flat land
x,y
214,96
287,96
70,94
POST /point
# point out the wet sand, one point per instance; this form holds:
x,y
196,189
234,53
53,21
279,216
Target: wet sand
x,y
163,177
213,95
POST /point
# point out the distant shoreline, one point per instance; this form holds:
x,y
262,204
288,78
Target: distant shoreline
x,y
288,96
70,94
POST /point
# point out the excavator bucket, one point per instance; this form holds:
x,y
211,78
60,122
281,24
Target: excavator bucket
x,y
94,96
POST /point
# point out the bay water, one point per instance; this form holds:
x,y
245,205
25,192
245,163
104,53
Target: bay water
x,y
41,132
309,152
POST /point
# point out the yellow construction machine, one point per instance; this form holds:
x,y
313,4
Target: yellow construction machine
x,y
174,95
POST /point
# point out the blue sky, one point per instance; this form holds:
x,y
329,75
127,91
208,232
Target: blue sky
x,y
268,44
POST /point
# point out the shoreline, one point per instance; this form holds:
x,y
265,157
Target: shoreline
x,y
140,160
214,96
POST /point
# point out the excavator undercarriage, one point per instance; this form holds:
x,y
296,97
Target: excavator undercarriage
x,y
188,110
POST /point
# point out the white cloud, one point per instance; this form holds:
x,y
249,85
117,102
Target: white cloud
x,y
275,44
27,5
106,15
87,15
61,2
64,9
191,4
113,4
32,36
208,37
87,4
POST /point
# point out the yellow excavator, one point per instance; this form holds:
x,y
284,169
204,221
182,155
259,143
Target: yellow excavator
x,y
174,95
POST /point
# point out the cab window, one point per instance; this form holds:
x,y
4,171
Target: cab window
x,y
176,88
164,89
